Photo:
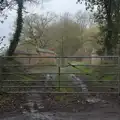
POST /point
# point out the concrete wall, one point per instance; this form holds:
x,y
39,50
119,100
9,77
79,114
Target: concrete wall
x,y
38,58
48,60
30,61
95,61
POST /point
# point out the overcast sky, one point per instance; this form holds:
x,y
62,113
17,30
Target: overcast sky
x,y
57,6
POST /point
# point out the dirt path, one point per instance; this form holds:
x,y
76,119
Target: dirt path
x,y
102,110
35,105
97,112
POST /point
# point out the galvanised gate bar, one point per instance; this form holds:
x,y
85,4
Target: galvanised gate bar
x,y
68,75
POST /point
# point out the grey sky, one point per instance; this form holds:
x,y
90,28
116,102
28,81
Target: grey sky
x,y
61,6
57,6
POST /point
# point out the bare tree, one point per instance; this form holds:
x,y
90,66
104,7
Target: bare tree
x,y
85,20
9,4
35,29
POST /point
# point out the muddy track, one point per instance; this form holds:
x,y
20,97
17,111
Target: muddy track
x,y
38,107
98,111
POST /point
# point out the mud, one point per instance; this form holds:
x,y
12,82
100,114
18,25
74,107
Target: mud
x,y
38,107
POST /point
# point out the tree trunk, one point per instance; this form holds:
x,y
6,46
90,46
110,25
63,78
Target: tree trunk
x,y
19,25
108,39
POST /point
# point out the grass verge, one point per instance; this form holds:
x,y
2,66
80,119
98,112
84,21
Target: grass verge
x,y
98,78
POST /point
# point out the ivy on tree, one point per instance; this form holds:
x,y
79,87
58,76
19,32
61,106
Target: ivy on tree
x,y
19,25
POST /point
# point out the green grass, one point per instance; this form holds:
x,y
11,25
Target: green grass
x,y
95,75
63,80
23,79
83,68
92,73
79,69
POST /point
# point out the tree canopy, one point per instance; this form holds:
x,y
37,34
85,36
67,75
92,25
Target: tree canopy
x,y
19,21
65,33
107,16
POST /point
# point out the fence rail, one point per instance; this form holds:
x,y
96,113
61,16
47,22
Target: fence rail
x,y
87,65
61,78
36,56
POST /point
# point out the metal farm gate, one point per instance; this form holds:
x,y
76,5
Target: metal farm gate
x,y
72,77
